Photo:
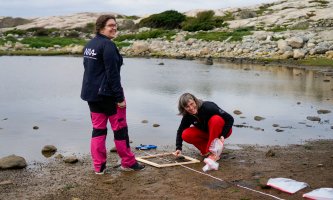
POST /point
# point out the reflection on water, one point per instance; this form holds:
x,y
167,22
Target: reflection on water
x,y
44,92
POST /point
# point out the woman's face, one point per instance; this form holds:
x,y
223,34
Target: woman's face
x,y
110,29
191,107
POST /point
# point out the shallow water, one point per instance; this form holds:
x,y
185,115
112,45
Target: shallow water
x,y
45,92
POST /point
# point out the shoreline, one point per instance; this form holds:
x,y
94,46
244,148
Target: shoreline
x,y
324,63
250,167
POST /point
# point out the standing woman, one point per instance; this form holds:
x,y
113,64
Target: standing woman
x,y
202,123
101,88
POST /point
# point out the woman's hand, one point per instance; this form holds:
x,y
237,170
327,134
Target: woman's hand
x,y
122,104
177,153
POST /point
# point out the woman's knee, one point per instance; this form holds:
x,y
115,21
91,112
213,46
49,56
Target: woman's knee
x,y
186,134
216,120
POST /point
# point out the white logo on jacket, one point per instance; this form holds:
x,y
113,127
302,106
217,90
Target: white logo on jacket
x,y
89,53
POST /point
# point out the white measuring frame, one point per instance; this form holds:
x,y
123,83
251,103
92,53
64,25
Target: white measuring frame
x,y
143,159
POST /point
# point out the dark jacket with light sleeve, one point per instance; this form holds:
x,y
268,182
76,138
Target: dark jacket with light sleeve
x,y
102,63
200,120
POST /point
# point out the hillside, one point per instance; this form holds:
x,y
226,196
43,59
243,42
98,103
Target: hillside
x,y
285,29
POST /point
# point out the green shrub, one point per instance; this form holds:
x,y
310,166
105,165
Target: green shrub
x,y
73,34
204,21
278,29
88,28
228,16
41,31
2,41
167,20
39,42
122,44
236,35
16,32
11,38
158,33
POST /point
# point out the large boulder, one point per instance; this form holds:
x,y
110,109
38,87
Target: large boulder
x,y
12,162
299,53
139,47
295,42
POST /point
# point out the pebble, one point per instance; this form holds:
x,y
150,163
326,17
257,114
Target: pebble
x,y
258,118
156,125
35,127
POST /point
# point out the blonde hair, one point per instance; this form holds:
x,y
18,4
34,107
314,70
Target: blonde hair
x,y
183,101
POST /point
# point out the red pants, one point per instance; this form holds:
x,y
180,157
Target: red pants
x,y
201,139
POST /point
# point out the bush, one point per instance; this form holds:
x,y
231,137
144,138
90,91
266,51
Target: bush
x,y
11,38
88,28
204,21
39,42
236,35
167,20
158,33
73,34
16,32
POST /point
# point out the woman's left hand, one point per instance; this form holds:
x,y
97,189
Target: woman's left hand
x,y
122,104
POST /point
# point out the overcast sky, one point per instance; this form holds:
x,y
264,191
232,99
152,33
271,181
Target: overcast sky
x,y
41,8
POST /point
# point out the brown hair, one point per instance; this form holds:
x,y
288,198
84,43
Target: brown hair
x,y
101,22
183,100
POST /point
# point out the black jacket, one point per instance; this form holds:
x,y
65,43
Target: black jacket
x,y
200,120
102,63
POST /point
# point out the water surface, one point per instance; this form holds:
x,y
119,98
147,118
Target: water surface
x,y
45,92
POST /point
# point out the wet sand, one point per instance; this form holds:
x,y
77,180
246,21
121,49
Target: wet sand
x,y
250,166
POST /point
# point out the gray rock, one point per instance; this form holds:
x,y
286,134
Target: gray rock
x,y
237,112
299,53
8,182
71,159
49,148
258,118
295,42
12,162
323,111
313,118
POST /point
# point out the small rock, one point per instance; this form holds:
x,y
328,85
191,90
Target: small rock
x,y
144,121
209,61
275,125
35,127
320,165
323,111
327,80
298,103
49,148
279,130
237,112
161,63
59,156
313,118
258,118
4,119
270,153
8,182
156,125
71,159
331,127
12,162
110,181
113,149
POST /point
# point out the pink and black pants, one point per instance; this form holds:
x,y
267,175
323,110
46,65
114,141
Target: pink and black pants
x,y
101,113
201,139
